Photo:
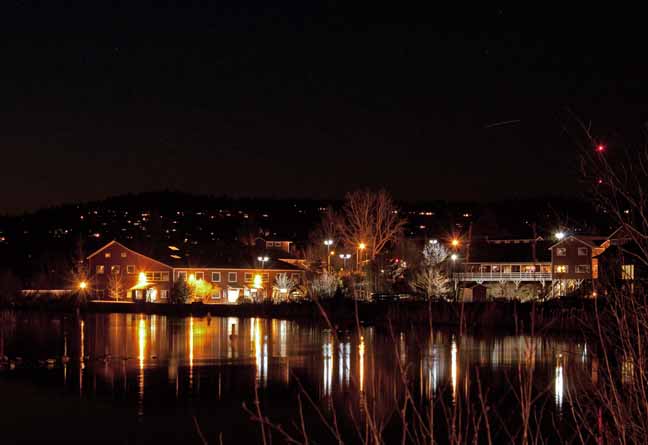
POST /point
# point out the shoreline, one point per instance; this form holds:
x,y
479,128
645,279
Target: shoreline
x,y
564,316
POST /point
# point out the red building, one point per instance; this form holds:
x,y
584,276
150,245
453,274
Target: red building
x,y
118,272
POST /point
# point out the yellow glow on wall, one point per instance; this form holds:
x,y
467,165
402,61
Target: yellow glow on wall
x,y
258,281
141,279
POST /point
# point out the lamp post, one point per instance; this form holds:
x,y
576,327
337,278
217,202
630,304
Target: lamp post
x,y
328,243
83,285
361,248
345,257
263,260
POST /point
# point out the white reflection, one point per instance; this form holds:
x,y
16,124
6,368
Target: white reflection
x,y
191,351
327,352
347,363
559,383
283,340
361,354
81,355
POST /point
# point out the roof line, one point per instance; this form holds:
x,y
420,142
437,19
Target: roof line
x,y
130,250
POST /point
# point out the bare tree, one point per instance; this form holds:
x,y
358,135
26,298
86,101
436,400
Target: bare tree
x,y
431,279
371,218
115,286
324,285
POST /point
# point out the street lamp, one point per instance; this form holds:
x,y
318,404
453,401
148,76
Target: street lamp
x,y
345,257
83,285
455,242
559,235
263,260
361,247
328,243
454,257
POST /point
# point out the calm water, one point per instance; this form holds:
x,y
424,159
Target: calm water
x,y
140,378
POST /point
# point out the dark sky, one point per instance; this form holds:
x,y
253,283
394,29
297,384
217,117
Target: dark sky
x,y
301,103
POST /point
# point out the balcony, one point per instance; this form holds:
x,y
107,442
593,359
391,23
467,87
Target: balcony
x,y
502,276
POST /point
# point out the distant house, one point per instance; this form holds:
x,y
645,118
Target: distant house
x,y
151,278
274,243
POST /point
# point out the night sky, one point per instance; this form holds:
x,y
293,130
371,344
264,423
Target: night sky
x,y
301,103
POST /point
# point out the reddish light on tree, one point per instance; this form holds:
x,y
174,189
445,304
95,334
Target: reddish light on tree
x,y
600,148
599,181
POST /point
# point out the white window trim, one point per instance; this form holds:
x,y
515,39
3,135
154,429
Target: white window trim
x,y
229,277
219,277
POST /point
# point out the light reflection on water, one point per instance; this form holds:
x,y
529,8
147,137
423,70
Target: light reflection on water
x,y
210,358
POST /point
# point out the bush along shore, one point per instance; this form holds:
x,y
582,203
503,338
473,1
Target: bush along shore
x,y
566,315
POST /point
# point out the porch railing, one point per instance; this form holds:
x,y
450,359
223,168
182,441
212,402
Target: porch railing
x,y
502,276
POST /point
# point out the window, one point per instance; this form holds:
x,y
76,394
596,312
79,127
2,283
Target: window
x,y
159,276
561,268
164,294
582,251
200,275
123,254
495,268
182,274
582,268
266,277
115,270
232,277
216,295
277,243
529,268
107,255
130,269
247,277
216,277
627,272
515,269
100,269
561,251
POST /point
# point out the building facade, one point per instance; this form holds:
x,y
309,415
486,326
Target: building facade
x,y
117,272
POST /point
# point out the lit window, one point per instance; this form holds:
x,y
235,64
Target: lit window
x,y
114,270
232,277
561,251
100,269
277,243
130,269
200,275
247,276
627,272
561,268
216,277
582,251
123,254
164,294
582,268
182,274
160,276
107,255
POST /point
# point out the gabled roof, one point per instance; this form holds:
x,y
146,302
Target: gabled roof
x,y
113,242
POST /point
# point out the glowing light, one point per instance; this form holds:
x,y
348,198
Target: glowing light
x,y
192,278
600,148
83,285
153,294
328,365
362,246
599,181
454,257
328,242
559,235
434,241
232,295
141,279
258,281
454,242
141,331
